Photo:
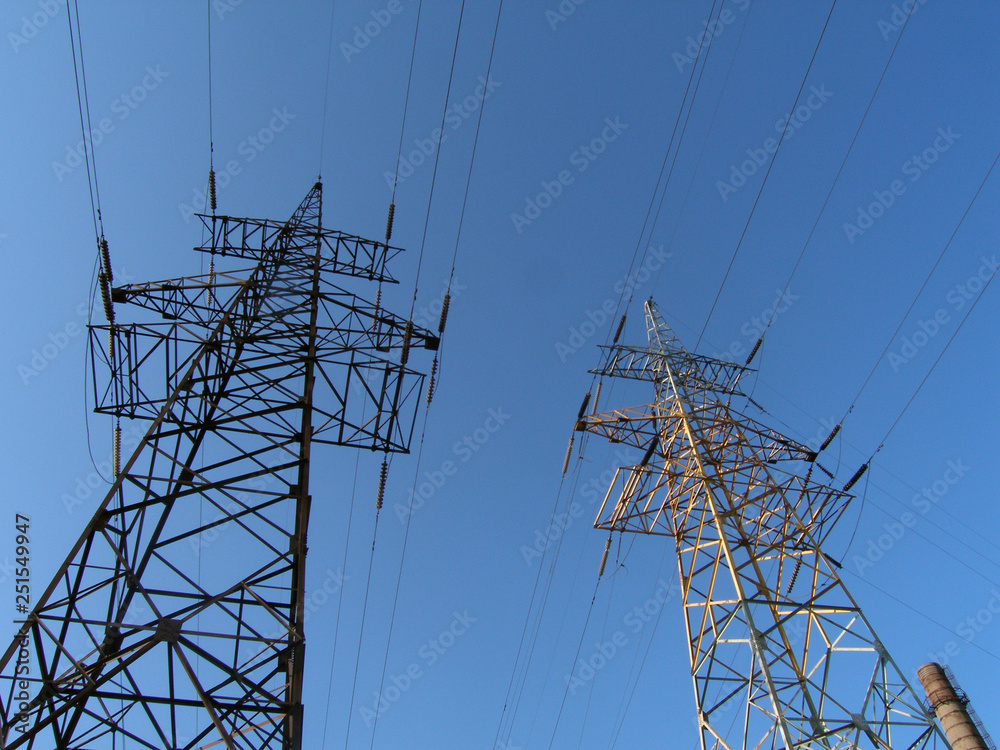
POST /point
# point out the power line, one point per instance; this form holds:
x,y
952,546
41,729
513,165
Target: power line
x,y
760,192
840,171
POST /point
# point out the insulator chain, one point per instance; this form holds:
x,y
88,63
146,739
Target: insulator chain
x,y
569,451
211,280
597,396
444,313
381,485
109,310
621,327
404,355
118,450
604,557
753,351
825,470
211,189
583,407
830,437
106,260
857,475
795,574
431,382
388,222
378,307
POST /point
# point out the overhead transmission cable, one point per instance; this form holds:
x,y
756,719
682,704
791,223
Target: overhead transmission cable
x,y
795,433
864,467
663,166
708,135
102,264
767,174
326,90
773,314
437,159
531,608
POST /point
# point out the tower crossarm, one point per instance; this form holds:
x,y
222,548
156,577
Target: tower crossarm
x,y
690,370
342,253
638,425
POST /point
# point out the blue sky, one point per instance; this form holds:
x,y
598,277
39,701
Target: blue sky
x,y
526,312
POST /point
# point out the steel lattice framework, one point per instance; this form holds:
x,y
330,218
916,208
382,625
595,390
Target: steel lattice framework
x,y
177,619
781,654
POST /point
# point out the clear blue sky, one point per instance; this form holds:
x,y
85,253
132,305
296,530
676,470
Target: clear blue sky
x,y
525,290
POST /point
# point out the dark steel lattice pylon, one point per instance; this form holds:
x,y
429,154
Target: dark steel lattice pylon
x,y
177,619
781,654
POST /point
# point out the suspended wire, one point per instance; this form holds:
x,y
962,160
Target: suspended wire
x,y
623,712
680,140
925,616
767,173
604,634
708,135
437,158
514,698
406,102
326,89
475,145
923,286
822,210
666,158
83,105
406,532
465,195
559,634
900,480
211,130
340,593
361,634
399,572
576,656
793,432
938,359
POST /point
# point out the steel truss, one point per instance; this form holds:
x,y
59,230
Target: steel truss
x,y
177,619
774,664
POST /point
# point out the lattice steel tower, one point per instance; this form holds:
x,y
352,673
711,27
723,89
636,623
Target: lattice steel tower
x,y
177,619
781,654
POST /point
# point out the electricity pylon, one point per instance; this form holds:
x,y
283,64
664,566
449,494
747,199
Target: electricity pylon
x,y
177,619
774,664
